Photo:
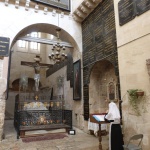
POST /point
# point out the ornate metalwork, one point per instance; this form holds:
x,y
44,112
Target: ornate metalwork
x,y
41,114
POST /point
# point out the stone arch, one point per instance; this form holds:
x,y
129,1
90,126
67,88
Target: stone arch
x,y
31,83
90,67
45,28
101,75
20,19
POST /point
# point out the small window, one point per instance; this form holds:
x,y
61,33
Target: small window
x,y
34,45
22,43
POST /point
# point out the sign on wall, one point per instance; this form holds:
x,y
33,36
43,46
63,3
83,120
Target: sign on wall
x,y
129,9
99,43
62,4
4,46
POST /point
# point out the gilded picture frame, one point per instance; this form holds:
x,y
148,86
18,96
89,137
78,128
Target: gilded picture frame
x,y
77,80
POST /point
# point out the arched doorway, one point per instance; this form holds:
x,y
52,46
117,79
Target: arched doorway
x,y
16,70
102,87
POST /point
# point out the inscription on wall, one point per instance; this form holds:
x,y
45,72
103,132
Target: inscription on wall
x,y
142,6
99,43
99,35
128,9
4,46
86,104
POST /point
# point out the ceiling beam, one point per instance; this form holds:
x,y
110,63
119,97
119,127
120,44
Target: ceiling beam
x,y
44,41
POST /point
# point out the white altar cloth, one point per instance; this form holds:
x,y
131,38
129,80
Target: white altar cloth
x,y
95,126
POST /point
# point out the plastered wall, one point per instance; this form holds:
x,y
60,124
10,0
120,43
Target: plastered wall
x,y
133,42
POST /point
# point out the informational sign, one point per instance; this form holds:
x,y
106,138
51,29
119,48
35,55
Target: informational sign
x,y
129,9
4,46
99,34
126,11
62,4
142,6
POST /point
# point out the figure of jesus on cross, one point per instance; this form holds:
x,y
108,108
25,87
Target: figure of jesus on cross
x,y
37,66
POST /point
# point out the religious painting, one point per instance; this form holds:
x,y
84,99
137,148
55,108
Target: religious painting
x,y
111,91
77,80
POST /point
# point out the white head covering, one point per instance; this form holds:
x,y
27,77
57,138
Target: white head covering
x,y
113,113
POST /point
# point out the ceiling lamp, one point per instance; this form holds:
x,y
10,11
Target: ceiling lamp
x,y
58,51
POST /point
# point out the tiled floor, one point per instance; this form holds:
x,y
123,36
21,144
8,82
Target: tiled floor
x,y
80,141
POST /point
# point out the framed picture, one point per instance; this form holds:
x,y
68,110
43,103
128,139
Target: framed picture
x,y
77,80
61,4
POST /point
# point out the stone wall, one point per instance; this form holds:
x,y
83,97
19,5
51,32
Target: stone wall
x,y
3,84
102,74
133,42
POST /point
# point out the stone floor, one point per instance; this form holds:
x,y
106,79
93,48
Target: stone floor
x,y
79,141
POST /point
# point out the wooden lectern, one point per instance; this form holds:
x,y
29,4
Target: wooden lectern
x,y
92,119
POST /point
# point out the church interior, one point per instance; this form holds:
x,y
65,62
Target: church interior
x,y
78,67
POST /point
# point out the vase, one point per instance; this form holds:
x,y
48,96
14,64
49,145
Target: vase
x,y
140,93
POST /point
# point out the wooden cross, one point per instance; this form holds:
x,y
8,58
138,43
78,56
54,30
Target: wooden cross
x,y
36,65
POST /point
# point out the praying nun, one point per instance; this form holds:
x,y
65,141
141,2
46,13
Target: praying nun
x,y
115,133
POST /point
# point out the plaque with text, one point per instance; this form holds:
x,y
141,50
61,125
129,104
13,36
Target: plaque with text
x,y
4,46
99,43
85,58
142,6
91,55
86,101
109,23
62,4
107,6
86,111
99,51
126,11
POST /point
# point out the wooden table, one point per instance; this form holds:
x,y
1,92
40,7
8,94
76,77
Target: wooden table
x,y
92,119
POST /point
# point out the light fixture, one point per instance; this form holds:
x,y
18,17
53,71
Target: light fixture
x,y
71,132
58,51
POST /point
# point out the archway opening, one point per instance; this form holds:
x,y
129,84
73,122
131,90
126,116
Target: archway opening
x,y
103,86
27,54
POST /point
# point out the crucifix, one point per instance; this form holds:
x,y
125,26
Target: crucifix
x,y
37,66
36,97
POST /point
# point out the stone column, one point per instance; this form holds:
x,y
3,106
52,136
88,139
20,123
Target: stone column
x,y
3,85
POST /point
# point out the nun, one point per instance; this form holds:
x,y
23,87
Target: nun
x,y
115,133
